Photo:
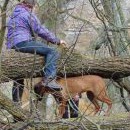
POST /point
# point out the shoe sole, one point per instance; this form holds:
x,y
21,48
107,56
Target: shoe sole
x,y
55,89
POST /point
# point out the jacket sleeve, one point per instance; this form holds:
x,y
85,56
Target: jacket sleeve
x,y
42,31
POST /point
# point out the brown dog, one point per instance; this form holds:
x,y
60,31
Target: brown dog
x,y
93,85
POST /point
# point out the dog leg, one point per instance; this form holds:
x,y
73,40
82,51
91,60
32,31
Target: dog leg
x,y
109,103
92,98
106,99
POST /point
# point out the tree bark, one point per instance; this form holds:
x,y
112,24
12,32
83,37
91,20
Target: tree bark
x,y
8,105
21,65
115,122
3,23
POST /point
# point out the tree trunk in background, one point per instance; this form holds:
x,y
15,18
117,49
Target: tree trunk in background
x,y
3,23
119,42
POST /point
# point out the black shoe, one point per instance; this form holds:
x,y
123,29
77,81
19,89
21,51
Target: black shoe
x,y
52,84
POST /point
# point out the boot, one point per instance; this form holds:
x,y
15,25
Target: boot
x,y
52,84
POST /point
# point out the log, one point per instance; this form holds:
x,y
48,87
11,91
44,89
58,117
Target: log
x,y
23,65
113,122
16,111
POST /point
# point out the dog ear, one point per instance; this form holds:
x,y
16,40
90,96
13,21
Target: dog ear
x,y
38,92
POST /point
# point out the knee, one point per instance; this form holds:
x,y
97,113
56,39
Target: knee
x,y
55,53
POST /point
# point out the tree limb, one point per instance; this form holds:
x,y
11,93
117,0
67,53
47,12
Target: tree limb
x,y
20,65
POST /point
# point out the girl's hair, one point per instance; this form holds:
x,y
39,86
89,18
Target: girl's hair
x,y
30,2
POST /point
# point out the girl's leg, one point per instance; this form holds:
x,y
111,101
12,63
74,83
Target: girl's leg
x,y
51,57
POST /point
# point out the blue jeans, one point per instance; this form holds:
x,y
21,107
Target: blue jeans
x,y
73,109
49,53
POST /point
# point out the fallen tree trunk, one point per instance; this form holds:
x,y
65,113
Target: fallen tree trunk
x,y
21,65
114,122
8,105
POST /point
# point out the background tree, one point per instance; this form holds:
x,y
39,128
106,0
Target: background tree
x,y
112,18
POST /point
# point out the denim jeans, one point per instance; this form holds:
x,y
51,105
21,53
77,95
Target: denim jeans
x,y
49,53
73,109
